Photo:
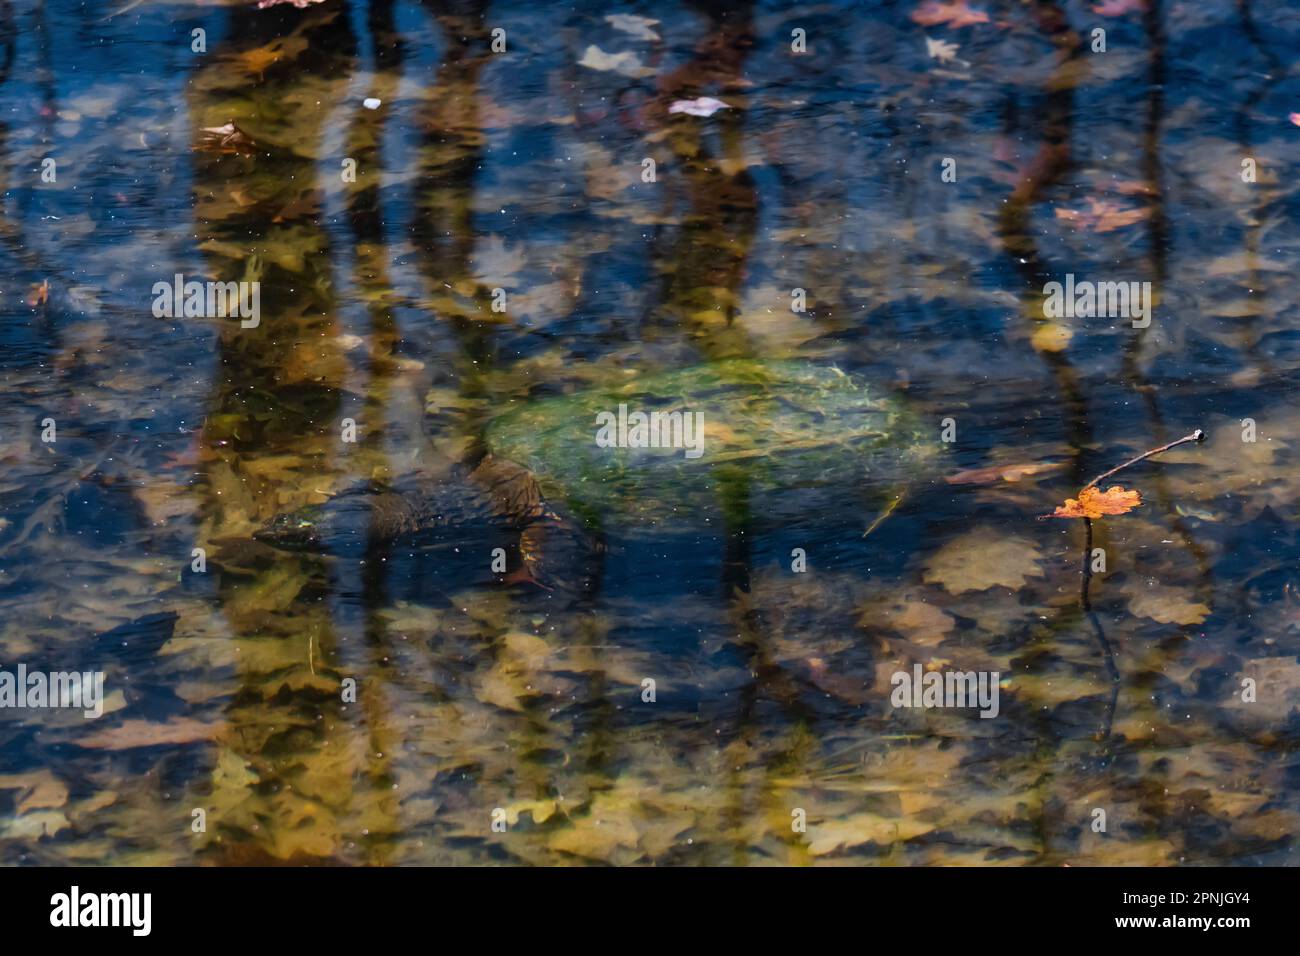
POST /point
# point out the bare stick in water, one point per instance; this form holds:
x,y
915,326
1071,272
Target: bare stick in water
x,y
1197,435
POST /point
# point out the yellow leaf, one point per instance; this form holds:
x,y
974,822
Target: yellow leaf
x,y
41,790
863,828
259,58
1051,337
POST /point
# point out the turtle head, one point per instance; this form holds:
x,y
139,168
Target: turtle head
x,y
341,525
296,531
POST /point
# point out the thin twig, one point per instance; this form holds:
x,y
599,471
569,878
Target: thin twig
x,y
893,505
1197,435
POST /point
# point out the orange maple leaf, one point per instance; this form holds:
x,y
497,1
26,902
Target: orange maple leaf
x,y
1094,503
955,13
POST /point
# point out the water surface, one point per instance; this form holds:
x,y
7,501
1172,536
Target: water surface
x,y
523,170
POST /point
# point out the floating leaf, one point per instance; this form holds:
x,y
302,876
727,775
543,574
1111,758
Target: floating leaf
x,y
700,106
1094,503
955,13
1117,8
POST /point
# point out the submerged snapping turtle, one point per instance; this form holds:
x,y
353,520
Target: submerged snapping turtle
x,y
764,443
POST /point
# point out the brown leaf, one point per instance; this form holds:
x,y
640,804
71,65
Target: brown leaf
x,y
991,474
258,59
1094,503
863,828
1117,8
1168,605
625,62
41,790
1103,215
39,294
224,139
955,13
145,733
981,559
1277,687
922,622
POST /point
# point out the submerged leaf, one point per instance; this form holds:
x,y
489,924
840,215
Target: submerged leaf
x,y
1103,215
1168,605
991,474
39,790
863,828
940,50
145,733
640,27
224,139
625,62
982,559
39,294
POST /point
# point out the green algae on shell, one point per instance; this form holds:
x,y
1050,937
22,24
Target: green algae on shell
x,y
783,428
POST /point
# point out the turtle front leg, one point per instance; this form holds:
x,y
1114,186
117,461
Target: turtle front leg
x,y
558,554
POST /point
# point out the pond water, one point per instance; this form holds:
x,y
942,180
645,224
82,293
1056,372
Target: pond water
x,y
443,233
